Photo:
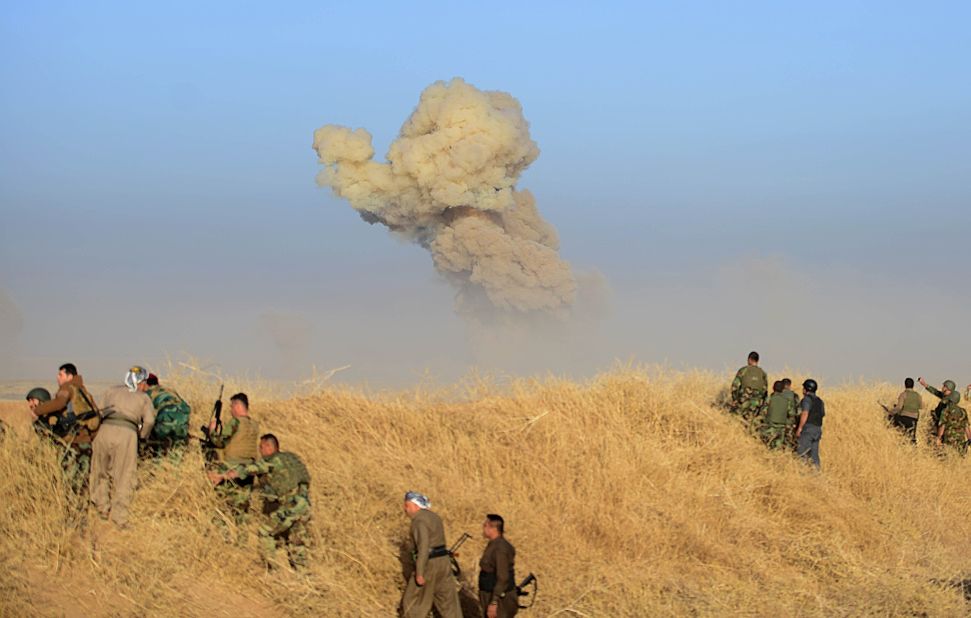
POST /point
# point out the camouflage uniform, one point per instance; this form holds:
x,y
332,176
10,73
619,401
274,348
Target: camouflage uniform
x,y
749,391
238,442
791,440
285,488
955,421
942,409
780,421
171,431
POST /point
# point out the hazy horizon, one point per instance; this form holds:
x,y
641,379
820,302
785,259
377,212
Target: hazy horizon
x,y
790,180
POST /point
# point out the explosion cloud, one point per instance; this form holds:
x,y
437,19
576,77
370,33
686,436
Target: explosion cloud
x,y
449,184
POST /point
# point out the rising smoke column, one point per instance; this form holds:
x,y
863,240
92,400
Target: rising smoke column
x,y
449,184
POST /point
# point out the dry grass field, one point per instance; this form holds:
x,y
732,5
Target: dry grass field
x,y
629,495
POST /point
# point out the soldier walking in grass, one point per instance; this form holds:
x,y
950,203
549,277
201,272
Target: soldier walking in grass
x,y
906,411
238,444
171,432
285,487
70,418
497,571
128,415
749,391
791,428
432,583
810,429
780,418
949,397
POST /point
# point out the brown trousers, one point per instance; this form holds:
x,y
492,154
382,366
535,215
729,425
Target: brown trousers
x,y
114,454
508,607
439,591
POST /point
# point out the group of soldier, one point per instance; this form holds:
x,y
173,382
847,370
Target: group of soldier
x,y
784,421
100,447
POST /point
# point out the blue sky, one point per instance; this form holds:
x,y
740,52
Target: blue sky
x,y
158,197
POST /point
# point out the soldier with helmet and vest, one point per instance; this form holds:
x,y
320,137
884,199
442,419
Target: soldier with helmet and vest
x,y
127,416
810,429
171,431
285,487
950,421
905,413
70,417
950,398
750,388
238,445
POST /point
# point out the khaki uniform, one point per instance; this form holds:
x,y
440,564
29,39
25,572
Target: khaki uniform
x,y
239,445
497,578
432,563
115,450
56,419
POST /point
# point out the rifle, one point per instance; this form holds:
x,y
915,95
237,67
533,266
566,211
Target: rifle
x,y
521,589
456,569
886,409
207,445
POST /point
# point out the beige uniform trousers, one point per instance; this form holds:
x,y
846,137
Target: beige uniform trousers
x,y
114,454
439,590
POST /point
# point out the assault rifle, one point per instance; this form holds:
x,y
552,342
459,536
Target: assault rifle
x,y
456,569
207,445
886,409
521,589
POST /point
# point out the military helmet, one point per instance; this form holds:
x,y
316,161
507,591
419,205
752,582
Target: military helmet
x,y
135,376
39,393
810,385
950,385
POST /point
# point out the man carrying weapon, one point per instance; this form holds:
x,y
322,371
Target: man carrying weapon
x,y
906,411
432,583
72,418
238,445
497,571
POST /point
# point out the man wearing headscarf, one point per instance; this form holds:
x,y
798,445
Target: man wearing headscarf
x,y
128,414
432,583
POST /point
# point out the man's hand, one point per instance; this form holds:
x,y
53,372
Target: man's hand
x,y
214,477
923,382
493,610
419,580
212,425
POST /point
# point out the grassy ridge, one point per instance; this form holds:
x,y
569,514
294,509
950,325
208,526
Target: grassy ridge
x,y
629,495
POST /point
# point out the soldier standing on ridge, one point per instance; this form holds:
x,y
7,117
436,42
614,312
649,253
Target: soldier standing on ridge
x,y
171,431
949,398
810,429
497,572
432,583
780,417
749,390
61,416
128,415
238,443
285,486
905,413
791,428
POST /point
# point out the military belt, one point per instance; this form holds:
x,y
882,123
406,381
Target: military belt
x,y
438,552
120,422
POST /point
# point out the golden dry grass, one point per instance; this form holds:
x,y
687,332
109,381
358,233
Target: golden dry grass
x,y
630,495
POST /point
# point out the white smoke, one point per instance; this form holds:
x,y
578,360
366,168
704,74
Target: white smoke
x,y
449,184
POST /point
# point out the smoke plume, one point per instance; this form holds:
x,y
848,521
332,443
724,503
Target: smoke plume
x,y
449,184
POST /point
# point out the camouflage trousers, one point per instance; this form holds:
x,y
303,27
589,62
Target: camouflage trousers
x,y
750,406
237,496
285,526
77,466
776,436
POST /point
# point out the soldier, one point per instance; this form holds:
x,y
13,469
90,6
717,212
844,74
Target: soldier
x,y
61,419
949,397
238,442
497,571
791,428
749,390
285,487
432,583
810,429
780,417
171,431
905,413
128,415
953,430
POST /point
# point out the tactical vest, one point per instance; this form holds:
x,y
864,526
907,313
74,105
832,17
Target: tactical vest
x,y
287,475
911,406
242,445
754,378
778,412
